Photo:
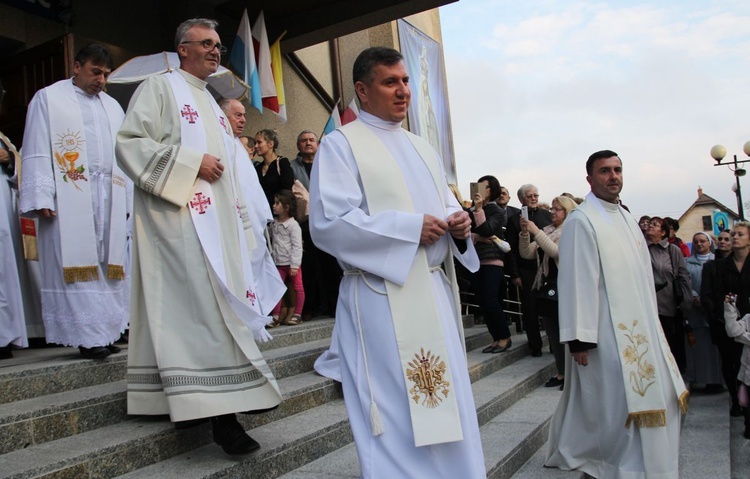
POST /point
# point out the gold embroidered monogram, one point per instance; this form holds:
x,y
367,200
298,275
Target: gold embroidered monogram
x,y
427,372
643,374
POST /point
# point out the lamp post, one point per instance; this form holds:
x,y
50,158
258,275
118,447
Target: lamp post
x,y
718,152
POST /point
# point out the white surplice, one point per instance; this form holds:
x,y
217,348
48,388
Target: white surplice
x,y
12,316
88,313
384,246
588,430
190,356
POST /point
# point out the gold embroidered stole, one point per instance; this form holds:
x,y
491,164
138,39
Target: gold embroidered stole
x,y
422,350
632,305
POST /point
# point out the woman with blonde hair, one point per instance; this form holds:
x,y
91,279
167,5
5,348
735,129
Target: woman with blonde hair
x,y
544,247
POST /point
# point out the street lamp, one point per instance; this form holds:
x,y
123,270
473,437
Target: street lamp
x,y
718,152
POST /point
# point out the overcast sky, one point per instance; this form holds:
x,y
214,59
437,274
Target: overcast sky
x,y
536,86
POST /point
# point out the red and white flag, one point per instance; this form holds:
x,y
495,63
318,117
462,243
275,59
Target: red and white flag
x,y
350,114
263,57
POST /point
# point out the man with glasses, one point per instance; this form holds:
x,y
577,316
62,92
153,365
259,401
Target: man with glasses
x,y
523,271
196,293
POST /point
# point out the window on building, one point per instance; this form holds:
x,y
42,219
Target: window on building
x,y
707,223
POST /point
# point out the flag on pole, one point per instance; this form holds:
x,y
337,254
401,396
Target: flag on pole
x,y
278,79
242,58
263,57
334,121
351,113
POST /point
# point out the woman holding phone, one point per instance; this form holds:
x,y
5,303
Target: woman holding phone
x,y
488,220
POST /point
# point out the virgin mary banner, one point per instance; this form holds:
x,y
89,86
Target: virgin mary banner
x,y
429,116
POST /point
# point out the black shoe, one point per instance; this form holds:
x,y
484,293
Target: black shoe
x,y
231,436
562,387
98,352
113,349
554,382
736,410
537,353
6,352
488,349
502,349
746,434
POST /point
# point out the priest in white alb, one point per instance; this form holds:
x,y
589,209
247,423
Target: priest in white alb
x,y
12,317
619,415
380,203
71,182
197,301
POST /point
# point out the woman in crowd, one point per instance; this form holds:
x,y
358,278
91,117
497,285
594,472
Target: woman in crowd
x,y
703,365
739,328
274,172
487,220
545,248
672,283
730,275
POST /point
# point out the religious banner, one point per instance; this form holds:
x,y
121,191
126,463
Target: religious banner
x,y
429,115
720,221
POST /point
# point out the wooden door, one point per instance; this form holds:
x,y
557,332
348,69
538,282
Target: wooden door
x,y
28,72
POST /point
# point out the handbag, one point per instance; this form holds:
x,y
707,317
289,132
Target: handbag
x,y
546,295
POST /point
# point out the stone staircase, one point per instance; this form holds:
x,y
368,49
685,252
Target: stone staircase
x,y
63,417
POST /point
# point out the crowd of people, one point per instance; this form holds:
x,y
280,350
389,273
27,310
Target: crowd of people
x,y
157,220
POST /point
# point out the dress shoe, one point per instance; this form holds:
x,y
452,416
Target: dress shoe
x,y
713,389
488,349
736,410
537,353
231,436
502,349
554,382
6,352
113,349
97,352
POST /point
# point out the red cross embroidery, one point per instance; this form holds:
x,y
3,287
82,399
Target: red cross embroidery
x,y
200,203
251,296
223,122
189,113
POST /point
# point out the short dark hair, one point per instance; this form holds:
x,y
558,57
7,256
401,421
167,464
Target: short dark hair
x,y
95,53
599,155
494,185
371,57
286,198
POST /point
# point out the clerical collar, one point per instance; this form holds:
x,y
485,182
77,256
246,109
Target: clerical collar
x,y
609,207
378,122
193,80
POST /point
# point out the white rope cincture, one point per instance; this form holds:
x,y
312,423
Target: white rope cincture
x,y
376,422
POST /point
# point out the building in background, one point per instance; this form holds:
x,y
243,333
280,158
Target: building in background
x,y
705,215
319,42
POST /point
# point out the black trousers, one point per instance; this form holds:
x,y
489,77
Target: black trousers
x,y
321,279
529,309
486,283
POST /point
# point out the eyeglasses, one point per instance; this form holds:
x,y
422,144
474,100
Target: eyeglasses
x,y
209,45
529,197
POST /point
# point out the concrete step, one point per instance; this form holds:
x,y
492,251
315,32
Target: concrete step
x,y
704,445
508,438
302,392
54,416
740,449
36,372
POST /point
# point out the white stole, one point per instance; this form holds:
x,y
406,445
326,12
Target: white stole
x,y
424,359
203,209
74,209
630,304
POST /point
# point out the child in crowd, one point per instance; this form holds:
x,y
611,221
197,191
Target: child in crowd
x,y
286,238
739,329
